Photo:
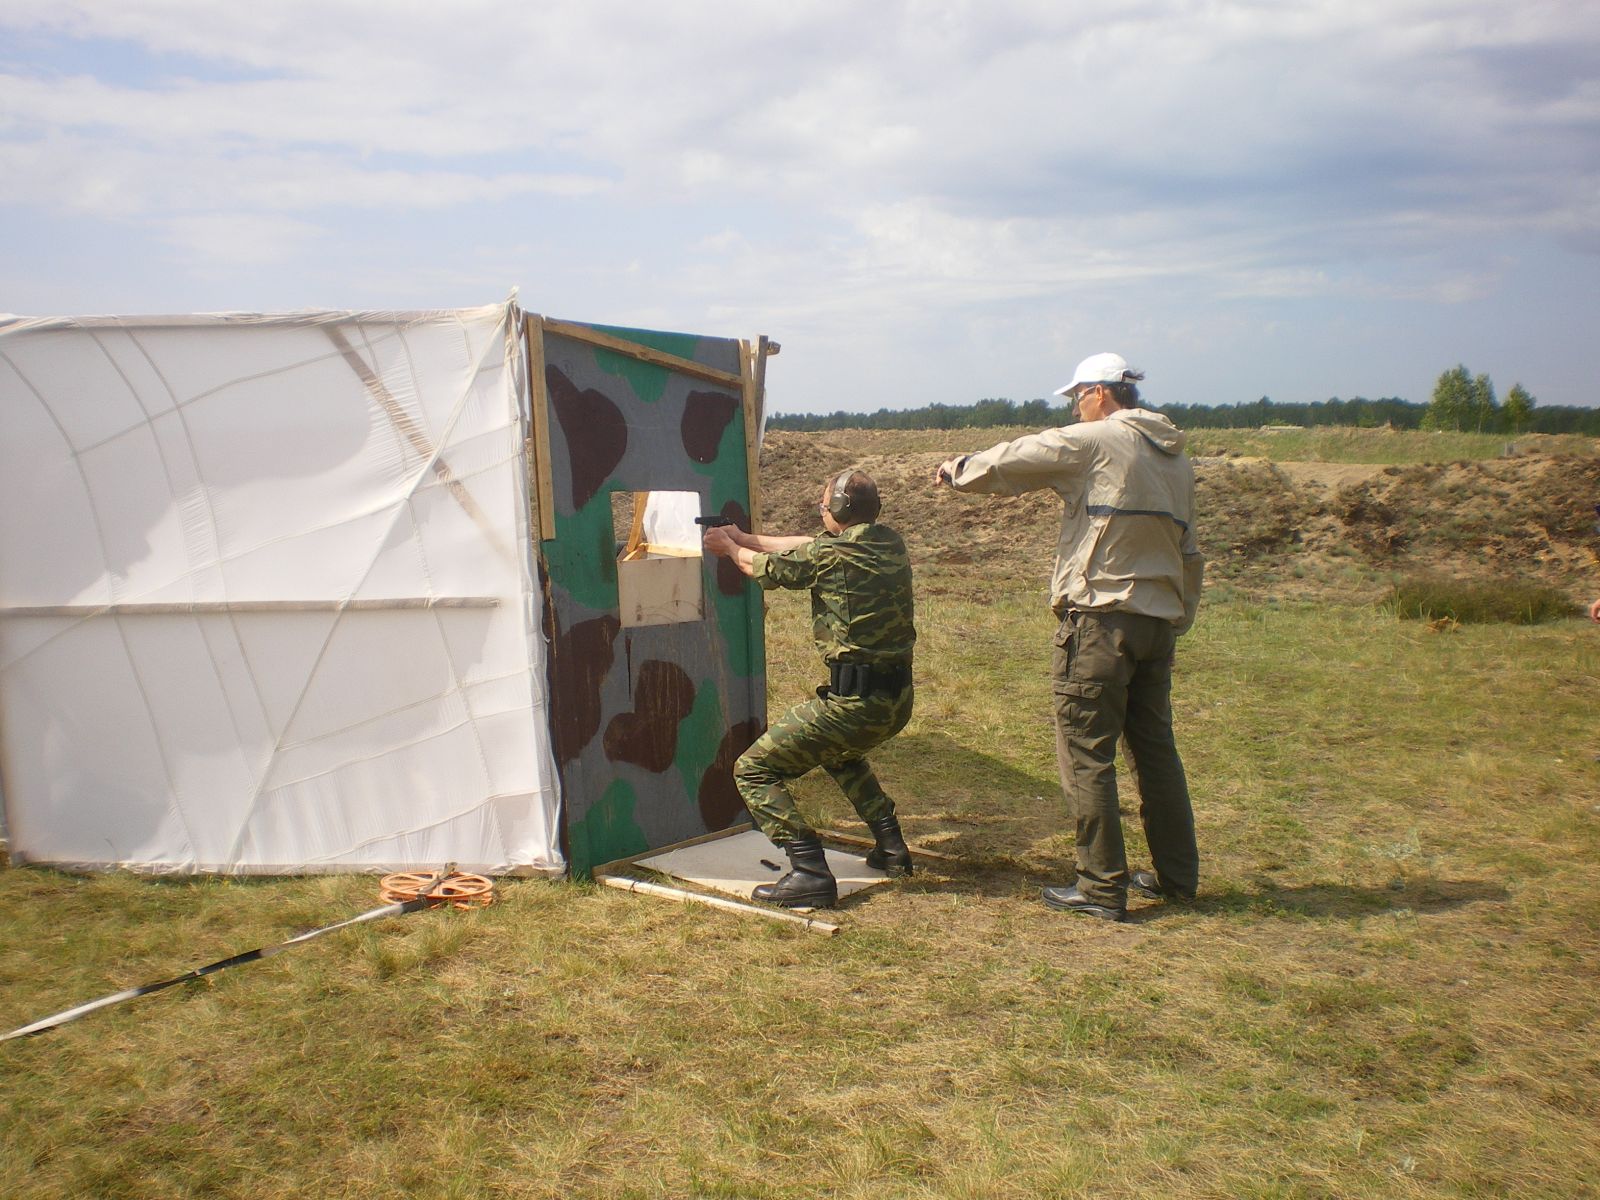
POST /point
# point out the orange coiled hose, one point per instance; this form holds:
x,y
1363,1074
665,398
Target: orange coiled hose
x,y
458,889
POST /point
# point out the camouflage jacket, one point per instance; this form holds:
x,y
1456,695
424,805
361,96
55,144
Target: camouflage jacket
x,y
860,581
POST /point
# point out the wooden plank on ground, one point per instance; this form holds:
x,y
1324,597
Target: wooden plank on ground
x,y
684,896
850,839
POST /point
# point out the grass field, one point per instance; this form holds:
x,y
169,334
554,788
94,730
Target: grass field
x,y
1388,987
1386,990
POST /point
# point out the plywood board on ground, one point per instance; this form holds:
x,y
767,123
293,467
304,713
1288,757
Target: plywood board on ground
x,y
734,866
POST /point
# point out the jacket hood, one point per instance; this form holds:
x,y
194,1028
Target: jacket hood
x,y
1155,428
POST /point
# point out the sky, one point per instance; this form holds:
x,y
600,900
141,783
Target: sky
x,y
922,200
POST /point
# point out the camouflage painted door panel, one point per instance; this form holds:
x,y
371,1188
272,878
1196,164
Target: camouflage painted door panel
x,y
646,721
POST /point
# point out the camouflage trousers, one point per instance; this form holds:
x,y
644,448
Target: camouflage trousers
x,y
831,732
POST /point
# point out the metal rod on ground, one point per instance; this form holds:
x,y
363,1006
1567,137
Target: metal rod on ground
x,y
671,893
72,1014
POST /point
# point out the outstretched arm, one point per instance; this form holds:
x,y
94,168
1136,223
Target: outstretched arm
x,y
732,543
1054,458
763,543
1594,611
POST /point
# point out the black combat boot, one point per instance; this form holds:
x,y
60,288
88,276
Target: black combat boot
x,y
809,883
891,855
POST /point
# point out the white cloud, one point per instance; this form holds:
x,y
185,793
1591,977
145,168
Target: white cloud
x,y
223,242
906,164
84,174
1000,107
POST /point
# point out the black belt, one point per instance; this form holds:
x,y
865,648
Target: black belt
x,y
868,679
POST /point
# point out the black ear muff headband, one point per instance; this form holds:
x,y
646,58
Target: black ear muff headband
x,y
838,498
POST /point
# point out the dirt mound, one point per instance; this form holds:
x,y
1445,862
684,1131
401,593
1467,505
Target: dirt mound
x,y
1324,530
1533,516
973,541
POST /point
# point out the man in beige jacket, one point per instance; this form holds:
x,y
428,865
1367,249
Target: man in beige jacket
x,y
1126,584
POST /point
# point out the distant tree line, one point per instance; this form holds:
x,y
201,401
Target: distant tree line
x,y
1461,401
984,413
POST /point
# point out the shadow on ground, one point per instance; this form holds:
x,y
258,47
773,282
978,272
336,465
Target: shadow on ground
x,y
994,824
1001,832
997,878
1337,900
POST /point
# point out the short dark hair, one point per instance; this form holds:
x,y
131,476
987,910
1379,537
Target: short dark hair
x,y
861,502
1123,392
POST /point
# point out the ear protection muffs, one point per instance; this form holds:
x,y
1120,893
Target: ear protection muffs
x,y
838,498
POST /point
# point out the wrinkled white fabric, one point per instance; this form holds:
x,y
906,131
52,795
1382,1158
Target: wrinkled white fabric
x,y
342,499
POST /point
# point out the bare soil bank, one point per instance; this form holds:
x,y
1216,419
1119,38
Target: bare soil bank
x,y
1327,531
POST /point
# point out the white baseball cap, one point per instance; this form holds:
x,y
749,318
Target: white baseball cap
x,y
1097,368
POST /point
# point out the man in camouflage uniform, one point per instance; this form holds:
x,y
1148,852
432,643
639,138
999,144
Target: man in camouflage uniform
x,y
861,610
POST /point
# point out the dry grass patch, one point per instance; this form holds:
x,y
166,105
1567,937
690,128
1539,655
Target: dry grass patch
x,y
1383,991
1453,601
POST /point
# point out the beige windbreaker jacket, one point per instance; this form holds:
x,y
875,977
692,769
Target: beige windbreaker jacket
x,y
1127,522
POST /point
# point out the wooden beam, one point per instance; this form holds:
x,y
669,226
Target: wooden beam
x,y
199,607
753,361
727,905
539,411
636,529
652,551
764,350
684,366
752,431
850,839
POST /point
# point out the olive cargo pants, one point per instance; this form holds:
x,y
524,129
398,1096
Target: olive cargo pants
x,y
1112,678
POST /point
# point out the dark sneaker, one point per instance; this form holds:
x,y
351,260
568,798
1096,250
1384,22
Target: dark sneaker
x,y
1070,899
1148,886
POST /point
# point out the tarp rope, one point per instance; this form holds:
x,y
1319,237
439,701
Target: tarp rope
x,y
404,893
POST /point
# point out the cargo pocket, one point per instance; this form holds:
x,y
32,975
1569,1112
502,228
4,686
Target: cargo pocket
x,y
1061,655
1078,705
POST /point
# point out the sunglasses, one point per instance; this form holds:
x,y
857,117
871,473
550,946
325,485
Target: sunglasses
x,y
1077,397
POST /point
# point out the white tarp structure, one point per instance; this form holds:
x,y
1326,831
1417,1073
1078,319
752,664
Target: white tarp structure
x,y
266,595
